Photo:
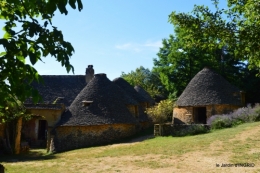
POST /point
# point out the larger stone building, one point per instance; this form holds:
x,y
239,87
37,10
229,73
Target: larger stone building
x,y
83,110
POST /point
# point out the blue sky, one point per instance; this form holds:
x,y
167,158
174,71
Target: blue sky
x,y
115,35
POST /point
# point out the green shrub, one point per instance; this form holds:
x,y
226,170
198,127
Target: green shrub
x,y
188,130
257,112
220,122
198,129
162,112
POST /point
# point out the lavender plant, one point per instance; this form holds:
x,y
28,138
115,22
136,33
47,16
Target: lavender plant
x,y
239,116
219,121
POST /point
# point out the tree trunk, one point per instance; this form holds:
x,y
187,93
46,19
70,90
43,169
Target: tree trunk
x,y
17,143
8,139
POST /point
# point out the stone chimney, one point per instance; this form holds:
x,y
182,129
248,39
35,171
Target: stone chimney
x,y
89,73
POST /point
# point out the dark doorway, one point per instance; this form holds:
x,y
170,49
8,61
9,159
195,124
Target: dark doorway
x,y
200,115
42,130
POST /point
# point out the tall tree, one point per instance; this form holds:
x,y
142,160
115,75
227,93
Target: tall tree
x,y
177,62
145,78
29,32
236,28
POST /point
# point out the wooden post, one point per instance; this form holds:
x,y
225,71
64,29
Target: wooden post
x,y
17,144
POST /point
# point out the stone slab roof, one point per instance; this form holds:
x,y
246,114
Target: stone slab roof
x,y
145,94
64,87
208,88
129,89
143,117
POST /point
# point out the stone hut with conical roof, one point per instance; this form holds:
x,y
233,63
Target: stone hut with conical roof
x,y
207,94
98,115
143,103
146,95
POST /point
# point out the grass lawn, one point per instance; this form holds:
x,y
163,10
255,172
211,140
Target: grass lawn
x,y
200,153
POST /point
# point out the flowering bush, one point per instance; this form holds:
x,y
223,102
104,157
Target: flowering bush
x,y
219,121
162,112
239,116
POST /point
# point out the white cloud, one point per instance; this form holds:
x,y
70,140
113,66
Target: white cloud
x,y
155,44
139,47
129,46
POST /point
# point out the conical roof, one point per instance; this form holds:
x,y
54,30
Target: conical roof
x,y
145,94
207,88
129,89
108,105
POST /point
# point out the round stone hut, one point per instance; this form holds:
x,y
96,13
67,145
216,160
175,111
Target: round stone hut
x,y
98,115
146,95
207,94
142,117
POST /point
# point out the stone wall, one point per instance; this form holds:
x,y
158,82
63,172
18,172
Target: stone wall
x,y
146,125
30,128
220,109
186,114
72,137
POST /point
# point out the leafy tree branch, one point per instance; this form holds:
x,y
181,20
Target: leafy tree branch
x,y
26,37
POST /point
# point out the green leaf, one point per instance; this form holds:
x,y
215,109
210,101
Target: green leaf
x,y
33,58
2,54
45,24
72,3
21,58
62,8
7,35
80,5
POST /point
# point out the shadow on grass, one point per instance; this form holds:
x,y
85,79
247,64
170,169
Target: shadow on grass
x,y
33,155
139,137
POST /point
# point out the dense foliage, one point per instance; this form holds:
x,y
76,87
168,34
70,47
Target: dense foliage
x,y
223,39
236,28
29,32
162,112
177,63
145,78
